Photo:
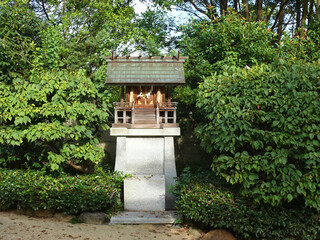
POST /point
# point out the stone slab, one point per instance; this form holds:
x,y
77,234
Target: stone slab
x,y
162,217
122,132
170,171
145,155
121,155
144,193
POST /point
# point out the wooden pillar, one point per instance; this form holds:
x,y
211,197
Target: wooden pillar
x,y
122,93
166,116
132,114
157,114
115,116
169,94
163,93
128,94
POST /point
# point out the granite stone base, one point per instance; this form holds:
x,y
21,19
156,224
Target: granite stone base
x,y
158,217
144,193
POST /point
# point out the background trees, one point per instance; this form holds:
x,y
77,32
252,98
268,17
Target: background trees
x,y
279,14
52,92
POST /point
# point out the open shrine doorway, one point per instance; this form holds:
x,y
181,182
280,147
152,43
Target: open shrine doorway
x,y
145,96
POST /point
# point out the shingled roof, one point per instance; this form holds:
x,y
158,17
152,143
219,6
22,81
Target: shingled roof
x,y
145,70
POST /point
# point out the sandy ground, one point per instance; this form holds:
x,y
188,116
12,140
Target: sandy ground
x,y
20,227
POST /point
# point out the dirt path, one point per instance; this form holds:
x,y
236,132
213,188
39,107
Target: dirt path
x,y
20,227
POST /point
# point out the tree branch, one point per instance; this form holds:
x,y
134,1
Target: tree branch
x,y
280,10
45,11
272,10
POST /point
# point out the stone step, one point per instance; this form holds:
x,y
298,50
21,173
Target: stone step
x,y
127,217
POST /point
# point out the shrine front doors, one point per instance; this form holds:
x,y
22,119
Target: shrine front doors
x,y
145,96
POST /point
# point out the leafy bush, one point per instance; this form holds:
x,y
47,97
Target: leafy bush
x,y
202,198
229,41
304,45
218,46
68,194
53,96
49,114
263,126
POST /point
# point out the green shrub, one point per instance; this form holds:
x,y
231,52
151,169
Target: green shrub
x,y
263,126
203,199
69,194
216,47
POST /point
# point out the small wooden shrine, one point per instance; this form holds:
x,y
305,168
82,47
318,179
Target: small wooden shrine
x,y
146,84
145,124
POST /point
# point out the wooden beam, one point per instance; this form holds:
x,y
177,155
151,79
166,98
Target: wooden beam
x,y
122,93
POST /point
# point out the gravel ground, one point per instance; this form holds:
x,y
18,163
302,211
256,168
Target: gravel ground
x,y
20,227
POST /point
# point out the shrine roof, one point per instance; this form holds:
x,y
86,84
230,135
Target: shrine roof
x,y
145,70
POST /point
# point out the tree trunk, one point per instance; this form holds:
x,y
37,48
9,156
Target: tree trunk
x,y
281,16
246,9
304,13
259,10
311,12
235,5
272,10
223,7
298,11
318,10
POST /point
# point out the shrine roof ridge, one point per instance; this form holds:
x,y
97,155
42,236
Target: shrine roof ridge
x,y
146,59
147,70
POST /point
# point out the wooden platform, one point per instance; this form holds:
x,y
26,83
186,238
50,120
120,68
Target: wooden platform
x,y
147,125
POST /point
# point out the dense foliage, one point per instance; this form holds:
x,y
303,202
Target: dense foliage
x,y
220,47
202,198
53,96
68,194
264,126
53,99
154,32
281,15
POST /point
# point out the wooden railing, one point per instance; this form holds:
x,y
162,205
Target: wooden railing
x,y
165,113
168,112
123,112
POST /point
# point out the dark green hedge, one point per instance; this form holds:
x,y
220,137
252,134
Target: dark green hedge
x,y
69,194
202,199
262,125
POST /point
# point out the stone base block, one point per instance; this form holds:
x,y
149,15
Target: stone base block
x,y
145,155
144,193
93,218
167,217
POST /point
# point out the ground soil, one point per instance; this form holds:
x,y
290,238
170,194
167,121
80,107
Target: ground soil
x,y
14,226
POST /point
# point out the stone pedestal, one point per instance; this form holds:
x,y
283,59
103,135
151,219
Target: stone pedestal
x,y
127,217
148,155
144,193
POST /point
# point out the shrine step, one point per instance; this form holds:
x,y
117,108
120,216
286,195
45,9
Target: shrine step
x,y
145,116
144,125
